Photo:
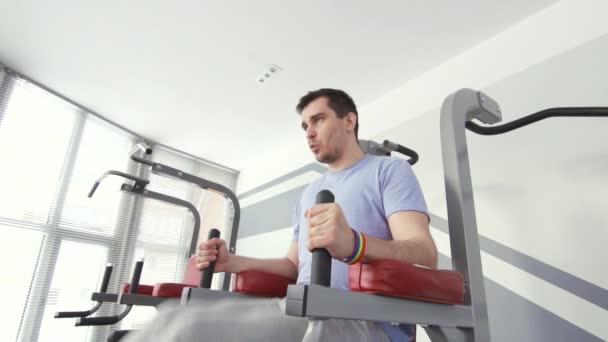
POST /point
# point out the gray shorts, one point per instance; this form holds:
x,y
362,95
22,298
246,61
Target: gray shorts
x,y
246,319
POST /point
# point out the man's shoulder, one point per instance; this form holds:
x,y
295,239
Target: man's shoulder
x,y
386,162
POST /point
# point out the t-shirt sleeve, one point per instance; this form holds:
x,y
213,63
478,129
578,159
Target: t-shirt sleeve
x,y
400,188
295,221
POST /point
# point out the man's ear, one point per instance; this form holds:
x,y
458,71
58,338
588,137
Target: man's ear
x,y
351,121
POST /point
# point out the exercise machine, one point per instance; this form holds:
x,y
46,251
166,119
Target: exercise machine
x,y
386,149
449,304
134,293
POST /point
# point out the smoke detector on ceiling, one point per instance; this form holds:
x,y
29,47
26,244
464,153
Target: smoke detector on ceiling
x,y
271,70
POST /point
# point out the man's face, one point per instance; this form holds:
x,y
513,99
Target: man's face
x,y
325,132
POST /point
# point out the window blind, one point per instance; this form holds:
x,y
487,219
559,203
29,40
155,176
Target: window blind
x,y
57,240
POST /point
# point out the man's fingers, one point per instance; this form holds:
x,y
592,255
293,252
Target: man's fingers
x,y
205,252
319,219
317,209
318,230
316,242
214,243
208,258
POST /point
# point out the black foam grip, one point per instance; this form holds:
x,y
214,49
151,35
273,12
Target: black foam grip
x,y
136,276
408,152
105,320
71,314
106,279
320,273
207,274
95,186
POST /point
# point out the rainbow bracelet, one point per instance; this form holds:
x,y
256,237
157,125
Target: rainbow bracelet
x,y
358,250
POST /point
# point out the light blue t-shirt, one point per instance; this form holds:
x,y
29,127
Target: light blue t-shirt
x,y
368,192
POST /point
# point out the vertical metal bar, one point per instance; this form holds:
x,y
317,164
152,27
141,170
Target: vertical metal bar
x,y
31,321
191,240
206,184
457,108
122,250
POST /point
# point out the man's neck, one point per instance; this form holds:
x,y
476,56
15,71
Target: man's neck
x,y
351,155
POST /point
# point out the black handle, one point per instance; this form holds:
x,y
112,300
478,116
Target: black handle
x,y
139,265
207,275
93,189
538,116
104,287
106,278
76,314
392,146
138,180
103,320
408,152
69,314
320,272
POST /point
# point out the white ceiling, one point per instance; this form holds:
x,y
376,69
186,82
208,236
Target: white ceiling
x,y
184,73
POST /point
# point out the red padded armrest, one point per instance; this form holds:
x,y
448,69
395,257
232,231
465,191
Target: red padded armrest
x,y
400,279
141,289
261,284
169,290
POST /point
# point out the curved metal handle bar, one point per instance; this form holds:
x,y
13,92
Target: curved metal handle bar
x,y
391,146
138,180
171,200
580,112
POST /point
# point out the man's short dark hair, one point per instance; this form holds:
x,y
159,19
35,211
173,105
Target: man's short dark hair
x,y
338,100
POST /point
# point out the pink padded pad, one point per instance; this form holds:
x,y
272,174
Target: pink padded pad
x,y
192,278
400,279
169,290
261,284
141,289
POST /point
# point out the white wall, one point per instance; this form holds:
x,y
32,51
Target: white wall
x,y
550,32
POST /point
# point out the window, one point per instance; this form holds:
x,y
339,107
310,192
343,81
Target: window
x,y
70,289
34,138
56,240
19,252
100,148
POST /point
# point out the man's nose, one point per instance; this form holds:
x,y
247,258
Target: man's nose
x,y
310,133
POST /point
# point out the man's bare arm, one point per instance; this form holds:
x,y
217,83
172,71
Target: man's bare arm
x,y
286,266
412,241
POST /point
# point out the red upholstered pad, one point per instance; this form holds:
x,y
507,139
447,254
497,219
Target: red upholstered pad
x,y
169,290
400,279
261,284
141,289
192,277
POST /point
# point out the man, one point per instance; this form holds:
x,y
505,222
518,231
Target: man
x,y
378,200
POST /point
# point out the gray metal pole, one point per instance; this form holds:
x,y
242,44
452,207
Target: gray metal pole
x,y
459,107
164,170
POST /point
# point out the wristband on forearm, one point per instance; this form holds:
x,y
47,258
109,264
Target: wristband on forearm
x,y
358,249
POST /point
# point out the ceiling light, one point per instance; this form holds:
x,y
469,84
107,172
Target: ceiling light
x,y
269,72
